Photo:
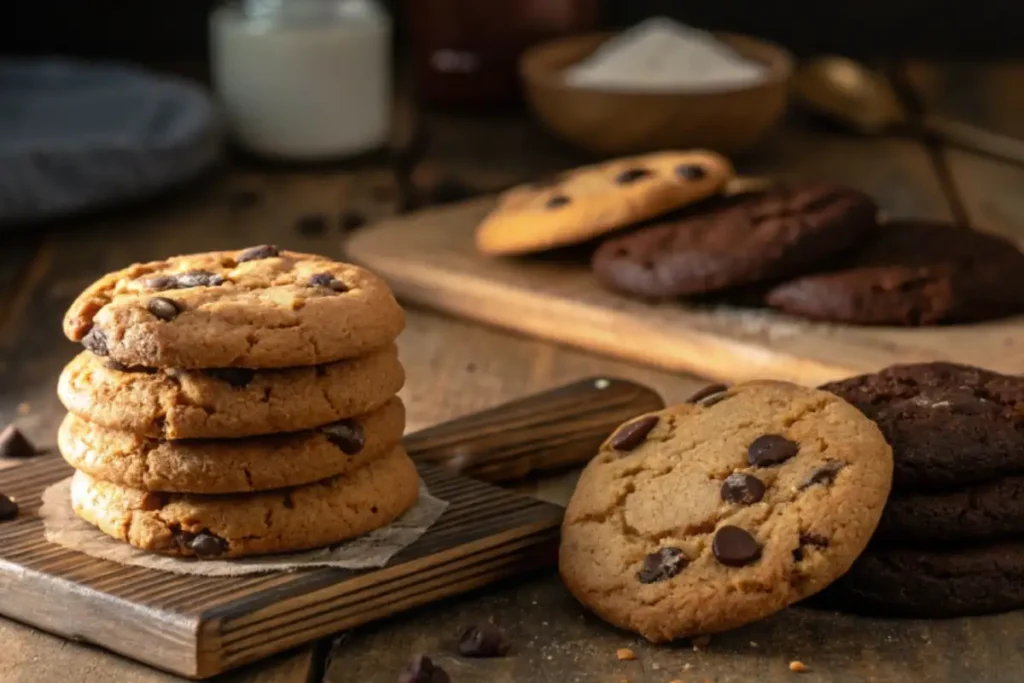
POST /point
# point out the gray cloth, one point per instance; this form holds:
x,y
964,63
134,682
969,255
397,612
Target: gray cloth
x,y
77,136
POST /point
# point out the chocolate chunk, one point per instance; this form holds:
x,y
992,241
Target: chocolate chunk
x,y
631,175
13,444
352,220
691,171
707,392
160,283
96,341
111,364
808,540
198,278
632,434
557,201
483,641
422,670
311,224
771,449
207,545
735,547
236,377
257,253
826,474
743,488
662,565
8,508
347,435
327,281
163,308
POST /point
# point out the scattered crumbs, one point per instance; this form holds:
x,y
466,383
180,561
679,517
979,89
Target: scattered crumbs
x,y
655,666
624,654
534,602
700,642
797,666
24,408
753,644
543,623
550,657
687,666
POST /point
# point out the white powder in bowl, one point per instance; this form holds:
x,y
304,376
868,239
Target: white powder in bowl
x,y
662,55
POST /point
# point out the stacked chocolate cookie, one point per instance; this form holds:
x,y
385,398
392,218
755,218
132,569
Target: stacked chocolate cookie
x,y
951,538
236,403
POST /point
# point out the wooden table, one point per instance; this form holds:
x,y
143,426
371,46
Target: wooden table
x,y
456,367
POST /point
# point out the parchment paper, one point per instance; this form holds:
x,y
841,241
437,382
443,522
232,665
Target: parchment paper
x,y
370,551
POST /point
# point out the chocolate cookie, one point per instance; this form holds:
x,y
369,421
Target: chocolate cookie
x,y
913,273
763,237
703,517
949,425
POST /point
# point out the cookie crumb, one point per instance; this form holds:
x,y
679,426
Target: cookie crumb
x,y
24,408
624,654
753,643
700,642
687,666
797,666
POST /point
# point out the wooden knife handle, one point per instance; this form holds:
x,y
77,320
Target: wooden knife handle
x,y
552,430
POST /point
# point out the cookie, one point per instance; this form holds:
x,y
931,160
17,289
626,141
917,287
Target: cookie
x,y
213,527
759,238
594,200
227,402
255,308
231,465
987,511
933,583
701,518
913,273
949,425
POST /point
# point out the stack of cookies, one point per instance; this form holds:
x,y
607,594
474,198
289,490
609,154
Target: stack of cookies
x,y
236,403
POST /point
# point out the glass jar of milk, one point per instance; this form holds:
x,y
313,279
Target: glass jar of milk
x,y
303,80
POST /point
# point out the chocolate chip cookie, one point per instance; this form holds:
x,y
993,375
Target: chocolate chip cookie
x,y
231,465
759,238
706,516
949,425
227,402
594,200
285,520
256,308
913,273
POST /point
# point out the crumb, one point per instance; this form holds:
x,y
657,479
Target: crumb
x,y
655,666
24,408
797,666
687,666
624,654
700,642
753,644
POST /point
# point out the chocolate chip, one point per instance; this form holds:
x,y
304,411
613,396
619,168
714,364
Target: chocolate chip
x,y
483,641
707,392
743,488
96,341
735,547
557,201
160,283
258,253
13,444
422,670
8,508
288,502
236,377
662,565
808,540
632,434
198,278
691,171
163,308
352,220
826,474
111,364
771,449
347,435
327,281
631,175
207,545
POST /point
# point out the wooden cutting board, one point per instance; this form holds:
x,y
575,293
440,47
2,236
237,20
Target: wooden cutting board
x,y
199,626
429,259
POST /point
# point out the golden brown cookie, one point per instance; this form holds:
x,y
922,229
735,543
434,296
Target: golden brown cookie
x,y
594,200
285,520
701,518
227,402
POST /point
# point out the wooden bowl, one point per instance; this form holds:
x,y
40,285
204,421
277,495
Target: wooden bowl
x,y
610,122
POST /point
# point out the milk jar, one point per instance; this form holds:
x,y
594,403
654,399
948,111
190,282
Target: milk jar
x,y
303,80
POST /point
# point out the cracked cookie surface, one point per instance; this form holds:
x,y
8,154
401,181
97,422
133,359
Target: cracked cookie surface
x,y
285,520
231,465
227,402
724,511
253,308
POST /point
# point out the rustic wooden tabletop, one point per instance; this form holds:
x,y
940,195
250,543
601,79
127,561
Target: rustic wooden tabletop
x,y
456,368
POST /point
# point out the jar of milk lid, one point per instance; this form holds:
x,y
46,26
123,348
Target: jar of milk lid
x,y
303,80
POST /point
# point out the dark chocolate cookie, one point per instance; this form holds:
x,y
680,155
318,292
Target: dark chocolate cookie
x,y
949,425
764,237
913,273
931,583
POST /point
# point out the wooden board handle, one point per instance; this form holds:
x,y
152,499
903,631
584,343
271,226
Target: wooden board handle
x,y
552,430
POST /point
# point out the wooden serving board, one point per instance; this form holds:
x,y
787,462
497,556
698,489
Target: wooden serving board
x,y
199,626
429,259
